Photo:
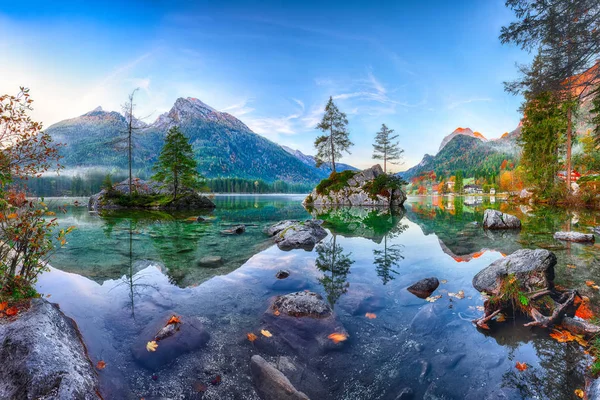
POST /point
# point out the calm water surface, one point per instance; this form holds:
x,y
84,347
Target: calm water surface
x,y
124,272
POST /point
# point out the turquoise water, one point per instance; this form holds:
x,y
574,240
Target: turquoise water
x,y
122,273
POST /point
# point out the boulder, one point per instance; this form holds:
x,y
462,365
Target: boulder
x,y
575,237
424,287
190,335
533,268
494,219
270,383
354,193
211,261
42,356
298,235
302,304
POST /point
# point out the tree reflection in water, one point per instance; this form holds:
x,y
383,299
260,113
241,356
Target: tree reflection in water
x,y
389,257
335,264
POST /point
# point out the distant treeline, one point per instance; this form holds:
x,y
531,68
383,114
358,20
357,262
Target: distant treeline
x,y
91,183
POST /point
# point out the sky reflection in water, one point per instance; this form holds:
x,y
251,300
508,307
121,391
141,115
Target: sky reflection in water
x,y
114,293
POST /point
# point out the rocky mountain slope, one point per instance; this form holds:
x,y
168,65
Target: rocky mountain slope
x,y
469,152
224,146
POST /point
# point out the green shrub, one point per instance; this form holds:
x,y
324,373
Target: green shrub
x,y
336,181
382,185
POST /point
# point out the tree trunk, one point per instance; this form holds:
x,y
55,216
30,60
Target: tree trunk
x,y
332,148
569,134
129,150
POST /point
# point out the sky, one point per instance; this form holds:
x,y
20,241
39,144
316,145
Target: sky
x,y
422,68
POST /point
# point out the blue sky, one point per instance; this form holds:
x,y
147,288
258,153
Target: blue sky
x,y
423,68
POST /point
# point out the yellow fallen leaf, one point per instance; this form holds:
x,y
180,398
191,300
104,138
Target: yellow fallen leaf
x,y
266,333
12,216
371,315
590,283
571,266
579,393
151,346
433,299
337,337
50,213
596,287
251,337
460,295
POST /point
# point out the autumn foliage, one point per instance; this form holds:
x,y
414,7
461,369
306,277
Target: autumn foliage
x,y
27,236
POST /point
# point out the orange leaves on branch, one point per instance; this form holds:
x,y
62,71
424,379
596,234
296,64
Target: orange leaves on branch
x,y
11,311
521,366
371,315
584,311
337,337
101,365
251,337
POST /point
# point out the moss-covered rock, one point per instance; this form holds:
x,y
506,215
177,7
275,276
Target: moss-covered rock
x,y
371,187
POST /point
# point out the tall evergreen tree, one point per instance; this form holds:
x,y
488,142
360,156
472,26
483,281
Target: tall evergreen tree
x,y
458,183
176,165
386,147
336,138
567,36
542,137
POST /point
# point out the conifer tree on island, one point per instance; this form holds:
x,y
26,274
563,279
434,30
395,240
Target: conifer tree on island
x,y
336,138
176,165
386,147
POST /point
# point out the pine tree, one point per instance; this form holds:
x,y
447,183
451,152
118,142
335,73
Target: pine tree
x,y
176,165
336,139
386,147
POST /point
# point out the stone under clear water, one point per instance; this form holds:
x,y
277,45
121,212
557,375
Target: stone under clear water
x,y
124,273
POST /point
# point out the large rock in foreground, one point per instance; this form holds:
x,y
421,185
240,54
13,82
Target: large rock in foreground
x,y
574,237
352,188
272,384
293,234
188,200
534,269
302,304
42,357
494,219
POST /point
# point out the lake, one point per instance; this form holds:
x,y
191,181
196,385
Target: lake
x,y
123,273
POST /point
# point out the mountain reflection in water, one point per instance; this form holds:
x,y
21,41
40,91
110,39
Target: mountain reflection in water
x,y
124,272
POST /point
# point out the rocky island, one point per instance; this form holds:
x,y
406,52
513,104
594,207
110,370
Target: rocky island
x,y
370,187
147,195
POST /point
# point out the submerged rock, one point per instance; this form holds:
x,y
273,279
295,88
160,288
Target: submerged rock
x,y
424,287
494,219
282,274
211,261
356,193
42,356
236,230
302,304
190,335
533,268
593,391
297,235
574,237
270,383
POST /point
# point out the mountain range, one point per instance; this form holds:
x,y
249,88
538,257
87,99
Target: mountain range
x,y
470,152
223,145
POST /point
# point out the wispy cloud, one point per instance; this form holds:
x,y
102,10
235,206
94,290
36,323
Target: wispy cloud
x,y
239,109
459,103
